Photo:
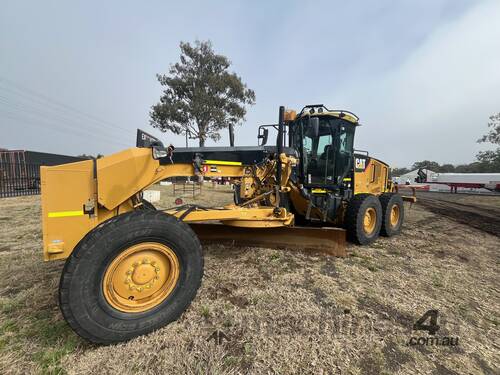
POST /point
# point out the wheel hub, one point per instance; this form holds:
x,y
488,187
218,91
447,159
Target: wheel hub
x,y
141,277
394,215
369,221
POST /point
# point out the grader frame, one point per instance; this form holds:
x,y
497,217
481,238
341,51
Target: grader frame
x,y
78,197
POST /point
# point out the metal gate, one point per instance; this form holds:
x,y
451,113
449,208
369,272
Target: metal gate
x,y
19,179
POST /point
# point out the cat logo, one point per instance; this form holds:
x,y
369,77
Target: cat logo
x,y
360,163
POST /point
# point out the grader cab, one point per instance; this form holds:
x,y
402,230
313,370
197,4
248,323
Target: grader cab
x,y
131,269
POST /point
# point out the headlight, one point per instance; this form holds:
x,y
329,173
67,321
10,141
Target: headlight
x,y
159,153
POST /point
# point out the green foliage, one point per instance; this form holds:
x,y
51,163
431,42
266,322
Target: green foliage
x,y
434,166
201,96
493,135
205,311
489,161
426,164
492,157
447,168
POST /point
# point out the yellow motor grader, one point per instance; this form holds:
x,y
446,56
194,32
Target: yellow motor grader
x,y
131,269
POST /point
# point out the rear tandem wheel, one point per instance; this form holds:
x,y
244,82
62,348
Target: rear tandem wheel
x,y
363,219
392,214
129,276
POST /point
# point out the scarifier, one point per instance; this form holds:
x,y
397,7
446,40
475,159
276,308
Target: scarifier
x,y
131,269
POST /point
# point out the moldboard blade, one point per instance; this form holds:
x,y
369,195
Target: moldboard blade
x,y
330,241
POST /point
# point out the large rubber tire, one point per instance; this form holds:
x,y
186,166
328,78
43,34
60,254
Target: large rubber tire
x,y
391,202
355,216
81,295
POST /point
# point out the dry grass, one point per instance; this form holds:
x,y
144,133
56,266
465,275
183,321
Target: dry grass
x,y
33,335
211,195
283,312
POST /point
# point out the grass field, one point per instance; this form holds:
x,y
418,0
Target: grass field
x,y
282,312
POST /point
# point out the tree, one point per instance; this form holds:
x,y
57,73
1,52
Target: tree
x,y
493,135
426,164
201,96
446,168
489,161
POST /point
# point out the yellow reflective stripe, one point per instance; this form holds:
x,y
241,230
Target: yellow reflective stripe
x,y
347,179
66,213
319,190
222,162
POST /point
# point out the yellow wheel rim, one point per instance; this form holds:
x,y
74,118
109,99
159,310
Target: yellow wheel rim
x,y
394,215
370,220
141,277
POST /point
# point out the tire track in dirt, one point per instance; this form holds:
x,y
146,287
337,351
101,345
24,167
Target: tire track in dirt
x,y
482,218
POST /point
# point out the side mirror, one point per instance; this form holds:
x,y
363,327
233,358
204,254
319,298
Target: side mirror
x,y
314,126
263,134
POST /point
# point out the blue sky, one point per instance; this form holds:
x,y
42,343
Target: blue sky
x,y
79,77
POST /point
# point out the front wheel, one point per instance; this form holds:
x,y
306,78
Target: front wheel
x,y
134,274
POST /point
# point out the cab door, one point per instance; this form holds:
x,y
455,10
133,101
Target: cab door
x,y
317,153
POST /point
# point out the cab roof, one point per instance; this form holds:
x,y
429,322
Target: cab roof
x,y
321,110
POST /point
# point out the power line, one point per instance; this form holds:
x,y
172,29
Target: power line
x,y
30,94
46,115
13,115
44,125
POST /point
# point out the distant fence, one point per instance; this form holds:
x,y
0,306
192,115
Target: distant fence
x,y
186,187
18,179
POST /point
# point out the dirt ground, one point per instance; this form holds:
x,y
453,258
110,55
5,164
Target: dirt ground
x,y
277,311
482,212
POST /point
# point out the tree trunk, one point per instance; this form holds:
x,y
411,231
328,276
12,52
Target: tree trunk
x,y
201,134
231,135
